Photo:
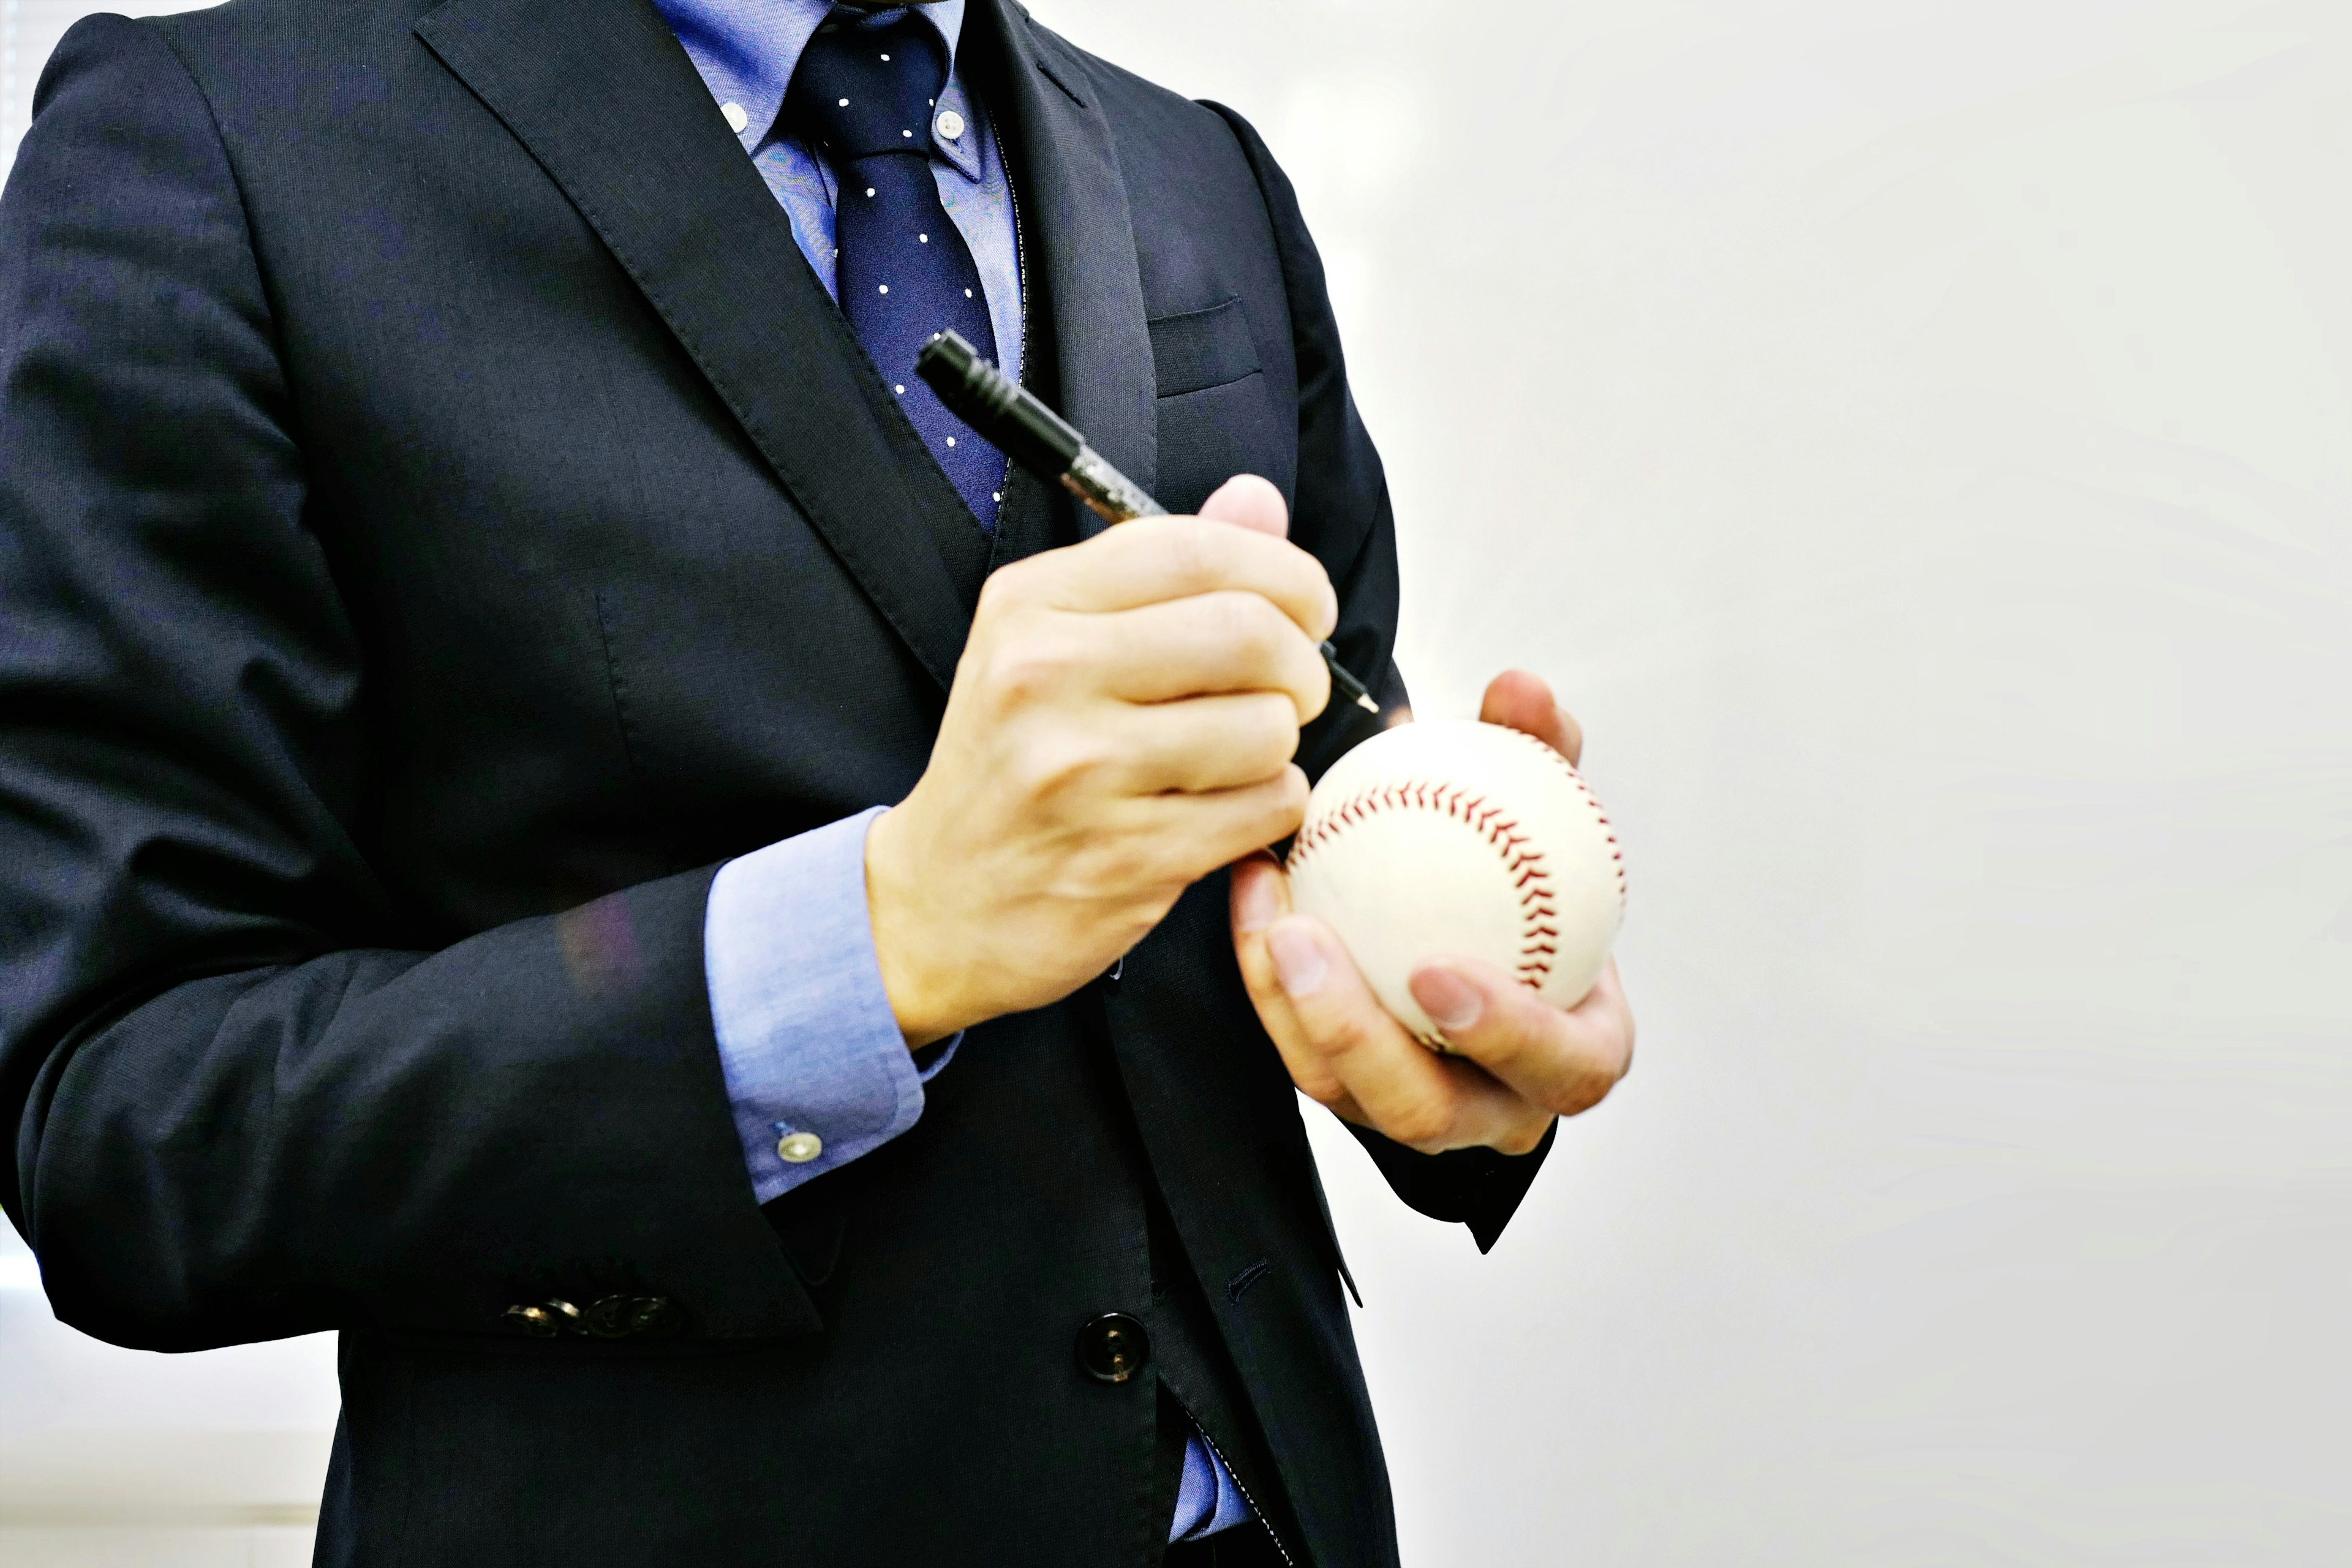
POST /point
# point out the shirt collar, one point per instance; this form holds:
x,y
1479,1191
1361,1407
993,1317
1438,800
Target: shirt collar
x,y
747,49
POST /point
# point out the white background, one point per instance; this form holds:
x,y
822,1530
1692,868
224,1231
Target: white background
x,y
1914,435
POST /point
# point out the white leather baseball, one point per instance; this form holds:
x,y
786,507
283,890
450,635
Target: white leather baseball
x,y
1453,837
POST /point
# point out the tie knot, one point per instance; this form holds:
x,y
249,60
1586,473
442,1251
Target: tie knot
x,y
866,84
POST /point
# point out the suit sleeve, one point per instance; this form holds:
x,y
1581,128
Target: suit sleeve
x,y
1344,516
243,1101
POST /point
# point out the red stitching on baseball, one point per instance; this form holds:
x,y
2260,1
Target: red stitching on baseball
x,y
1524,864
1599,814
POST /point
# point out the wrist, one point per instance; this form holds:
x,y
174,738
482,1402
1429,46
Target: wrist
x,y
921,992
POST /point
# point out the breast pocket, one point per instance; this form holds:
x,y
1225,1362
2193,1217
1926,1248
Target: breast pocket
x,y
1217,417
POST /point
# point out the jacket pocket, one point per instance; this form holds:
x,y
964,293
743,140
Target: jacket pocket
x,y
1201,349
1217,415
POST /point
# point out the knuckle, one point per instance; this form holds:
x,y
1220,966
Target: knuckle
x,y
1422,1125
1281,806
1250,625
1339,1035
1006,587
1422,1120
1055,762
1290,792
1620,1065
1270,725
1029,669
1196,550
1523,1139
1584,1090
1315,593
1234,637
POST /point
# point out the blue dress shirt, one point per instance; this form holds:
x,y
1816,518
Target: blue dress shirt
x,y
746,50
816,1070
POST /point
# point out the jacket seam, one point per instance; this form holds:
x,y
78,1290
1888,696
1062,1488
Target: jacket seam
x,y
261,288
617,684
1235,125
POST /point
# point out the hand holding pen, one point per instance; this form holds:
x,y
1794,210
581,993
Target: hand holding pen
x,y
1002,411
1122,723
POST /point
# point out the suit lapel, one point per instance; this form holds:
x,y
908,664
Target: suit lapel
x,y
607,102
1074,200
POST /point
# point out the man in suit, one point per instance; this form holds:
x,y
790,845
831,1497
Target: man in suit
x,y
473,571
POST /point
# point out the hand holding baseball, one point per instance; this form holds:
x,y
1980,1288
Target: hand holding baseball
x,y
1520,1062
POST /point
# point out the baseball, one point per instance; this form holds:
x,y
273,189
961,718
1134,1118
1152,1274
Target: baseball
x,y
1453,837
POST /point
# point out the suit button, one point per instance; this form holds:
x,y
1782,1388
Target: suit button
x,y
547,1319
1113,1348
537,1322
653,1316
622,1316
607,1316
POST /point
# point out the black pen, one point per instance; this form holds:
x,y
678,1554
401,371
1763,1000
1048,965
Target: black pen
x,y
1000,410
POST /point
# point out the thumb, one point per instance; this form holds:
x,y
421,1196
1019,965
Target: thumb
x,y
1252,502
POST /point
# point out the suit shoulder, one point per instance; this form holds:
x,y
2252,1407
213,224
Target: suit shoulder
x,y
261,41
1128,98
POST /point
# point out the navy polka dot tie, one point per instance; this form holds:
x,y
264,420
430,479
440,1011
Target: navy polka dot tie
x,y
864,91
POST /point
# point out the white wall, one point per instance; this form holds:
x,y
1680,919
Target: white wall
x,y
110,1459
1915,435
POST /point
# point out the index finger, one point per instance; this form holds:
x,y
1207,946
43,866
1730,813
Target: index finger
x,y
1154,559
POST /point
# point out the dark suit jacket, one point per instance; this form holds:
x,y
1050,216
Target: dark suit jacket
x,y
441,520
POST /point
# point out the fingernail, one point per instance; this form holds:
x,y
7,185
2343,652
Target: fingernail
x,y
1255,906
1298,960
1451,1002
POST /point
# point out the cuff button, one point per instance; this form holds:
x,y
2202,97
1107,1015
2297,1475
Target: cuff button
x,y
545,1320
622,1317
537,1322
799,1148
653,1317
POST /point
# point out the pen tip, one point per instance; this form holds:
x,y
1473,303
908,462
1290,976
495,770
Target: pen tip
x,y
1368,705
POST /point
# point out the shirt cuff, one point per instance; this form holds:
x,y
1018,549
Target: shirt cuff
x,y
817,1072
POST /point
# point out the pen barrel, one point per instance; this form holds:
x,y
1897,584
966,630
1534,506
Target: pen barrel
x,y
999,410
1114,496
994,405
